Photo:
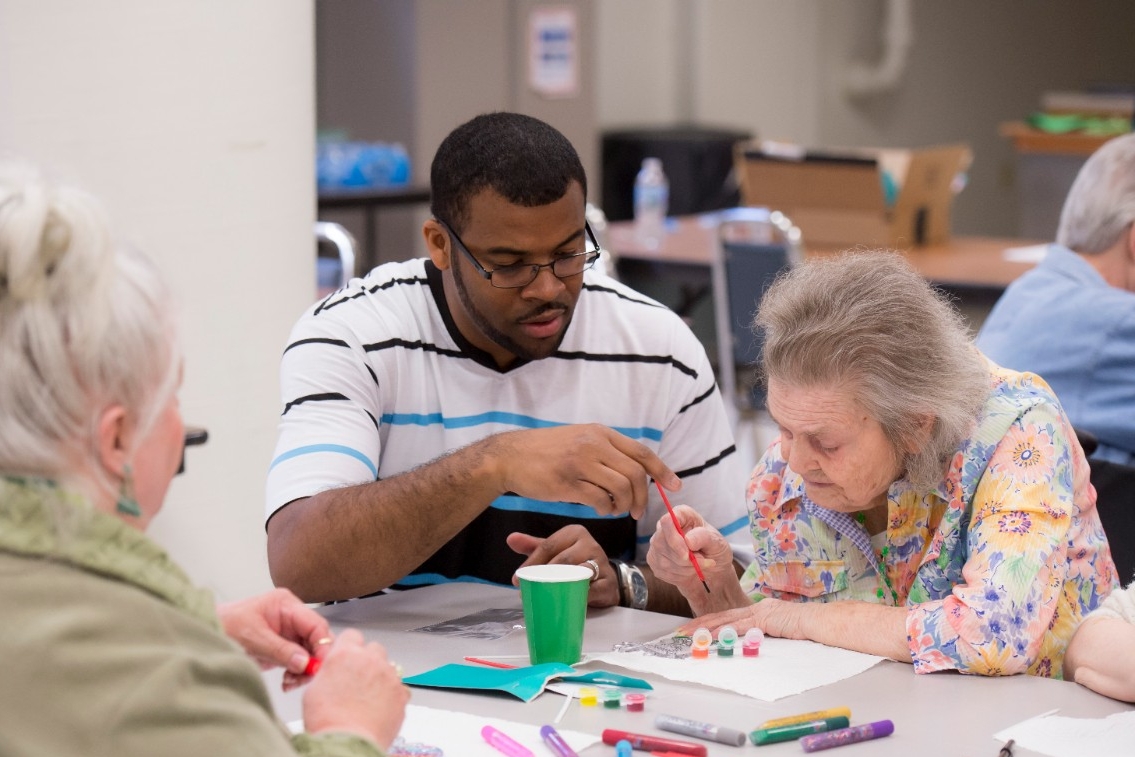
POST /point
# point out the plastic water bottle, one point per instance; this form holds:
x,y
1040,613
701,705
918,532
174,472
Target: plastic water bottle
x,y
651,202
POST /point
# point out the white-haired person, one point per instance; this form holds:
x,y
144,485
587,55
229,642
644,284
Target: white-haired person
x,y
1072,318
920,503
107,646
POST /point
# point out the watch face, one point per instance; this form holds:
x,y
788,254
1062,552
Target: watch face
x,y
638,589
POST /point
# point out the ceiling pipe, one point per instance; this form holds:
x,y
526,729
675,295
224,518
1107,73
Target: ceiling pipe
x,y
862,80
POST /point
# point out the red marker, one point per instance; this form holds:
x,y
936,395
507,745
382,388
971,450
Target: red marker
x,y
654,743
678,527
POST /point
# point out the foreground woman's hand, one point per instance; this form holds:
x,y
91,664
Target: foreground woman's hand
x,y
277,630
357,690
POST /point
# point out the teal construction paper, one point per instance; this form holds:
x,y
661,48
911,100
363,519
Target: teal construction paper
x,y
523,683
607,678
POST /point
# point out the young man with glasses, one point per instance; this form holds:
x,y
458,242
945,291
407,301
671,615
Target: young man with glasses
x,y
497,404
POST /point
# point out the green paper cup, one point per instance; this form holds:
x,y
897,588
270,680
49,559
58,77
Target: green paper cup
x,y
555,605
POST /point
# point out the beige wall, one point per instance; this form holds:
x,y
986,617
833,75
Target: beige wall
x,y
194,123
412,70
777,68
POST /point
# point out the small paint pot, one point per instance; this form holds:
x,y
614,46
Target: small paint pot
x,y
751,644
702,640
726,641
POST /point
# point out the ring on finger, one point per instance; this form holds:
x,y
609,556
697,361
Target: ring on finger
x,y
594,565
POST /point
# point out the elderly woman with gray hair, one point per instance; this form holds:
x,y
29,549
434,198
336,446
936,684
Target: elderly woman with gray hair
x,y
920,503
107,646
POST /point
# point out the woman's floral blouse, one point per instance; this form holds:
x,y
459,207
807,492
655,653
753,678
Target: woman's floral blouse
x,y
997,564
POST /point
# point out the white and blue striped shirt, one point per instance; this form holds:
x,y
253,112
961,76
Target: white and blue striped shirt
x,y
377,380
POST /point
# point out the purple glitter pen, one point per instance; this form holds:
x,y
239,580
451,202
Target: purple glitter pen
x,y
844,736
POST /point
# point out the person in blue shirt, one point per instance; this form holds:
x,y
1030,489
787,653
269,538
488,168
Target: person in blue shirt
x,y
1072,318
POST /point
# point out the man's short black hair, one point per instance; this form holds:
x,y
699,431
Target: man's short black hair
x,y
521,158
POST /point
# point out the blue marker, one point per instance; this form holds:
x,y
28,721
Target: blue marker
x,y
623,748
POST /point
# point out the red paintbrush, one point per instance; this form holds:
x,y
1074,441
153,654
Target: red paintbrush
x,y
678,526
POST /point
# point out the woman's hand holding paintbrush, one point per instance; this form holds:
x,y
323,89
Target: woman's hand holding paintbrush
x,y
678,528
692,555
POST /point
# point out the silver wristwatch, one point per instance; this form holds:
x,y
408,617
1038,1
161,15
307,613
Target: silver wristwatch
x,y
632,585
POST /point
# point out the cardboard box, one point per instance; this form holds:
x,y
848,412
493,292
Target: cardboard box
x,y
837,197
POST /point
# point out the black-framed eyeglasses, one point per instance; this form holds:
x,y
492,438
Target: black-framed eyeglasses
x,y
522,274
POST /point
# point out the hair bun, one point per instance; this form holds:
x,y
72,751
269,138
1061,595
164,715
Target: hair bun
x,y
38,223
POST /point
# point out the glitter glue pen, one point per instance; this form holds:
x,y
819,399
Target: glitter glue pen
x,y
763,736
707,731
504,744
831,712
843,736
556,742
653,743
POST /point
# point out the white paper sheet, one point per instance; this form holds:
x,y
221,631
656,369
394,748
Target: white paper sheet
x,y
461,736
784,667
1113,736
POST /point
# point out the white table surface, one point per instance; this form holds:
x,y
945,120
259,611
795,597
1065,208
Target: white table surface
x,y
938,714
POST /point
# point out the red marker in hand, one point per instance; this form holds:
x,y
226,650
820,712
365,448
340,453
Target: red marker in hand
x,y
678,526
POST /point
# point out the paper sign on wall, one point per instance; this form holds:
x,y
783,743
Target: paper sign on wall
x,y
553,51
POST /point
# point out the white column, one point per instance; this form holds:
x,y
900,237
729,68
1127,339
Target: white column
x,y
194,122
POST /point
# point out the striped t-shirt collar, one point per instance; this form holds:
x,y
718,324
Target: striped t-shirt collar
x,y
475,353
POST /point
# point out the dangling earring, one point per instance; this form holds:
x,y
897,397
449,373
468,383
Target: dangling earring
x,y
127,504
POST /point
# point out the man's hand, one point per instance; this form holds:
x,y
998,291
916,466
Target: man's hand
x,y
277,630
571,545
322,546
588,463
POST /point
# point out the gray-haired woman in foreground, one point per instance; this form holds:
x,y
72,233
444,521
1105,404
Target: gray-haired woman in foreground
x,y
107,647
921,503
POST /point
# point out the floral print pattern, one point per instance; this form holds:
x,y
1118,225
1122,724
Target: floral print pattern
x,y
997,564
